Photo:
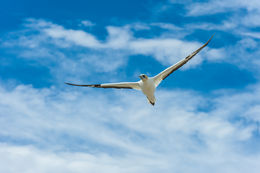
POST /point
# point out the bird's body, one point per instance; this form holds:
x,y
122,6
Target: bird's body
x,y
147,84
148,88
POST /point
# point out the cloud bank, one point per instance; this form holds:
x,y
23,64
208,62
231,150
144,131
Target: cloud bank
x,y
68,133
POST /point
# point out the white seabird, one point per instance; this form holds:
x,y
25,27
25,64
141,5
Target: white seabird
x,y
147,84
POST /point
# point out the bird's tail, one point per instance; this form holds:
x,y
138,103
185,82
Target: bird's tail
x,y
152,100
152,103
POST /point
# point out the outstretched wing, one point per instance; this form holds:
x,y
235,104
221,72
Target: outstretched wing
x,y
164,74
121,85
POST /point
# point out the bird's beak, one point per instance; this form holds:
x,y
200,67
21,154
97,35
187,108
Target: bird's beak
x,y
140,76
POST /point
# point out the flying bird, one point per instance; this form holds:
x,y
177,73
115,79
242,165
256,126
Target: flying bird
x,y
147,84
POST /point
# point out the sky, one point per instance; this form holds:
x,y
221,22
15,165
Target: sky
x,y
207,114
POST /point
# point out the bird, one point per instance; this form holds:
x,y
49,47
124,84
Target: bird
x,y
147,84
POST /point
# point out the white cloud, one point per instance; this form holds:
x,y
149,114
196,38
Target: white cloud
x,y
118,37
242,15
167,51
225,25
252,34
218,6
52,43
30,159
168,26
254,113
87,23
77,37
244,54
49,130
138,26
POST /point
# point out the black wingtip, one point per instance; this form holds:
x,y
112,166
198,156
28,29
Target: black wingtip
x,y
207,41
211,38
71,84
67,83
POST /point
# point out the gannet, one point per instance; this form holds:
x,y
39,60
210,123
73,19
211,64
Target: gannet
x,y
147,84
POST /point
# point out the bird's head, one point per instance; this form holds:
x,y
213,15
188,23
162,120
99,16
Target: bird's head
x,y
143,77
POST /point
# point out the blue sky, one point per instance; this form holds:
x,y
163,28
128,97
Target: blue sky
x,y
207,114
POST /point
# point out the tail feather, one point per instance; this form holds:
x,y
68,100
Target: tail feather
x,y
152,103
151,100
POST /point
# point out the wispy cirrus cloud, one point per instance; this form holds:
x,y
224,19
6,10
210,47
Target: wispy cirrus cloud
x,y
237,18
218,6
57,47
87,23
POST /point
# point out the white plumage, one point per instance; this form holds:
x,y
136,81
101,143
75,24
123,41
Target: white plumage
x,y
147,84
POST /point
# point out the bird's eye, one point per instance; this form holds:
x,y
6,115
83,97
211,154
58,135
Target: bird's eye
x,y
143,76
